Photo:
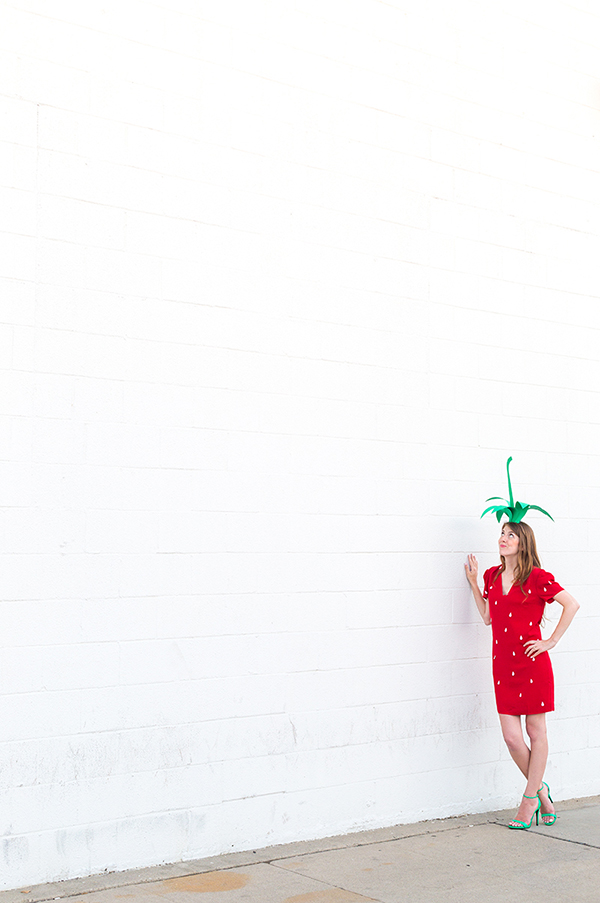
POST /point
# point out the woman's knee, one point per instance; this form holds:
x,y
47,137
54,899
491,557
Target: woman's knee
x,y
512,733
535,725
513,740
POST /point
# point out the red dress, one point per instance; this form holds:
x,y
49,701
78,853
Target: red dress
x,y
523,685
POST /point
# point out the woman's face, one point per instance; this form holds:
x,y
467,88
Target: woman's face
x,y
508,542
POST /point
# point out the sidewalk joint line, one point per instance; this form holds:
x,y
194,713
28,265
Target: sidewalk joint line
x,y
548,836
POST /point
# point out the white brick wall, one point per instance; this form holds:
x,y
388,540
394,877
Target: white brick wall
x,y
282,286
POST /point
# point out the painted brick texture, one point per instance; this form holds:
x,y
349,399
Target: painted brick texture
x,y
282,286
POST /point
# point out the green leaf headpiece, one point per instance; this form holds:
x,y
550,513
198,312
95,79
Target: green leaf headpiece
x,y
515,511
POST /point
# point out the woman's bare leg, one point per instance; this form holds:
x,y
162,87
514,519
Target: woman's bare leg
x,y
513,737
536,730
531,762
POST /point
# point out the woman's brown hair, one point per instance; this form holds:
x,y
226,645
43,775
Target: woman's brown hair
x,y
527,555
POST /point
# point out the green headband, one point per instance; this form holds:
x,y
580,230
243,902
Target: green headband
x,y
515,511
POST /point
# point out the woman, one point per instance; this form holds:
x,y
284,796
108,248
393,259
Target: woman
x,y
513,600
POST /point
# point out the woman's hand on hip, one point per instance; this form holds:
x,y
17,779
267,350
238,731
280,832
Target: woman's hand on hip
x,y
533,648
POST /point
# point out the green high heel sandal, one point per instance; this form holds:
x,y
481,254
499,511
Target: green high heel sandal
x,y
523,826
551,815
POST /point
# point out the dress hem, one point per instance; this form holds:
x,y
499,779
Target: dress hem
x,y
542,712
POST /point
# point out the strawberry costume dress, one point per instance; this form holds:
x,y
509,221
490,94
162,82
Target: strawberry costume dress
x,y
523,685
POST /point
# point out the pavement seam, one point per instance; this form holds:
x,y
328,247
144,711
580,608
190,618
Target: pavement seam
x,y
267,861
372,843
579,843
479,820
326,884
274,864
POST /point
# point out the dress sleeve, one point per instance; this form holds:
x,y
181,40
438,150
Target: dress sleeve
x,y
546,585
487,580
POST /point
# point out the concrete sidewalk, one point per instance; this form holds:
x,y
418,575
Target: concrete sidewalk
x,y
458,860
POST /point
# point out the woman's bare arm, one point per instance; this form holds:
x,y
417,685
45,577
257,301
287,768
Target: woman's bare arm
x,y
570,608
472,571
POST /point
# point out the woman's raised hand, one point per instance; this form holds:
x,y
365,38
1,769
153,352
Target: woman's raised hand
x,y
472,569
